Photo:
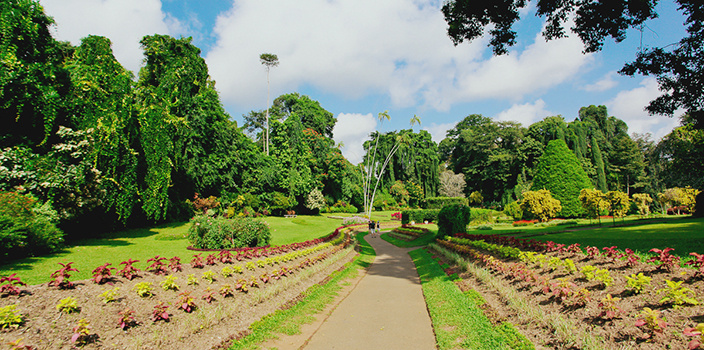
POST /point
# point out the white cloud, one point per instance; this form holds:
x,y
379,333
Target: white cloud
x,y
605,83
352,129
124,22
629,105
357,48
526,114
439,131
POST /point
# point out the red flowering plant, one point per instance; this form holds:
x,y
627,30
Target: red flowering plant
x,y
697,263
103,273
158,267
197,261
697,332
9,285
159,313
61,276
175,264
665,260
129,271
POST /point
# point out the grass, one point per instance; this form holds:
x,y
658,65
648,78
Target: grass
x,y
685,235
418,242
563,328
458,320
316,299
141,244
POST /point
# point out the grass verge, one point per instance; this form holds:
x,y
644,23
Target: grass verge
x,y
569,334
458,320
315,300
418,242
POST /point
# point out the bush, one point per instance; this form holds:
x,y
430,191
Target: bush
x,y
340,207
419,215
453,219
221,233
699,205
439,202
513,209
26,228
482,216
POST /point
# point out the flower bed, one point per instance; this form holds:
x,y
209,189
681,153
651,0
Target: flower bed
x,y
613,296
174,304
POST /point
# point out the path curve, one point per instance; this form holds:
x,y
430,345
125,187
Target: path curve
x,y
386,310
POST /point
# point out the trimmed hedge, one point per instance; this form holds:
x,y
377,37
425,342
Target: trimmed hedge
x,y
439,202
453,219
419,215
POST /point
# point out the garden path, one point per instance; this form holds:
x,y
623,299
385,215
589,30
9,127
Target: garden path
x,y
385,309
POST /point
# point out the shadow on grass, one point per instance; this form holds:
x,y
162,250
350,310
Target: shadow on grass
x,y
111,239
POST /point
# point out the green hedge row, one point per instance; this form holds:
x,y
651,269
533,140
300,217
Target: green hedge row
x,y
439,202
419,215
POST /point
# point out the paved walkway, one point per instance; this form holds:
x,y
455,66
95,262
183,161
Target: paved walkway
x,y
386,310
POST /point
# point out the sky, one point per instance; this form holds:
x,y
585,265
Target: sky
x,y
362,57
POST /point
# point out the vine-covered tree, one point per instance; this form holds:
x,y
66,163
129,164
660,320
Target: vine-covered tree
x,y
33,82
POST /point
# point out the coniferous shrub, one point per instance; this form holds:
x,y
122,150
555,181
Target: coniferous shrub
x,y
560,172
453,219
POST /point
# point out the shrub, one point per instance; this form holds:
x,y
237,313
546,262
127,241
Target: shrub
x,y
419,215
26,227
340,207
540,204
9,317
513,209
440,202
699,205
482,216
453,219
221,233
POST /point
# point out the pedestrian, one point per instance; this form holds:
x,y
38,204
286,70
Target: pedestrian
x,y
371,228
378,227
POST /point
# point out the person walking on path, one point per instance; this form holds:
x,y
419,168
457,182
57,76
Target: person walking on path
x,y
371,228
378,227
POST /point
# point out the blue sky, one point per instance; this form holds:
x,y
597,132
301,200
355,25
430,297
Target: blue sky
x,y
362,57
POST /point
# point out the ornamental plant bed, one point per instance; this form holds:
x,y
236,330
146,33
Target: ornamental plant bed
x,y
178,310
593,296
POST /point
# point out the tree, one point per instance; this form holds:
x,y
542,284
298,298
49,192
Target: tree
x,y
399,192
476,198
451,184
315,200
513,209
642,201
560,172
679,69
540,204
593,201
618,203
268,60
415,194
490,154
101,98
310,113
33,83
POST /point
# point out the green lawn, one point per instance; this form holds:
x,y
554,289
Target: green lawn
x,y
141,244
685,235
